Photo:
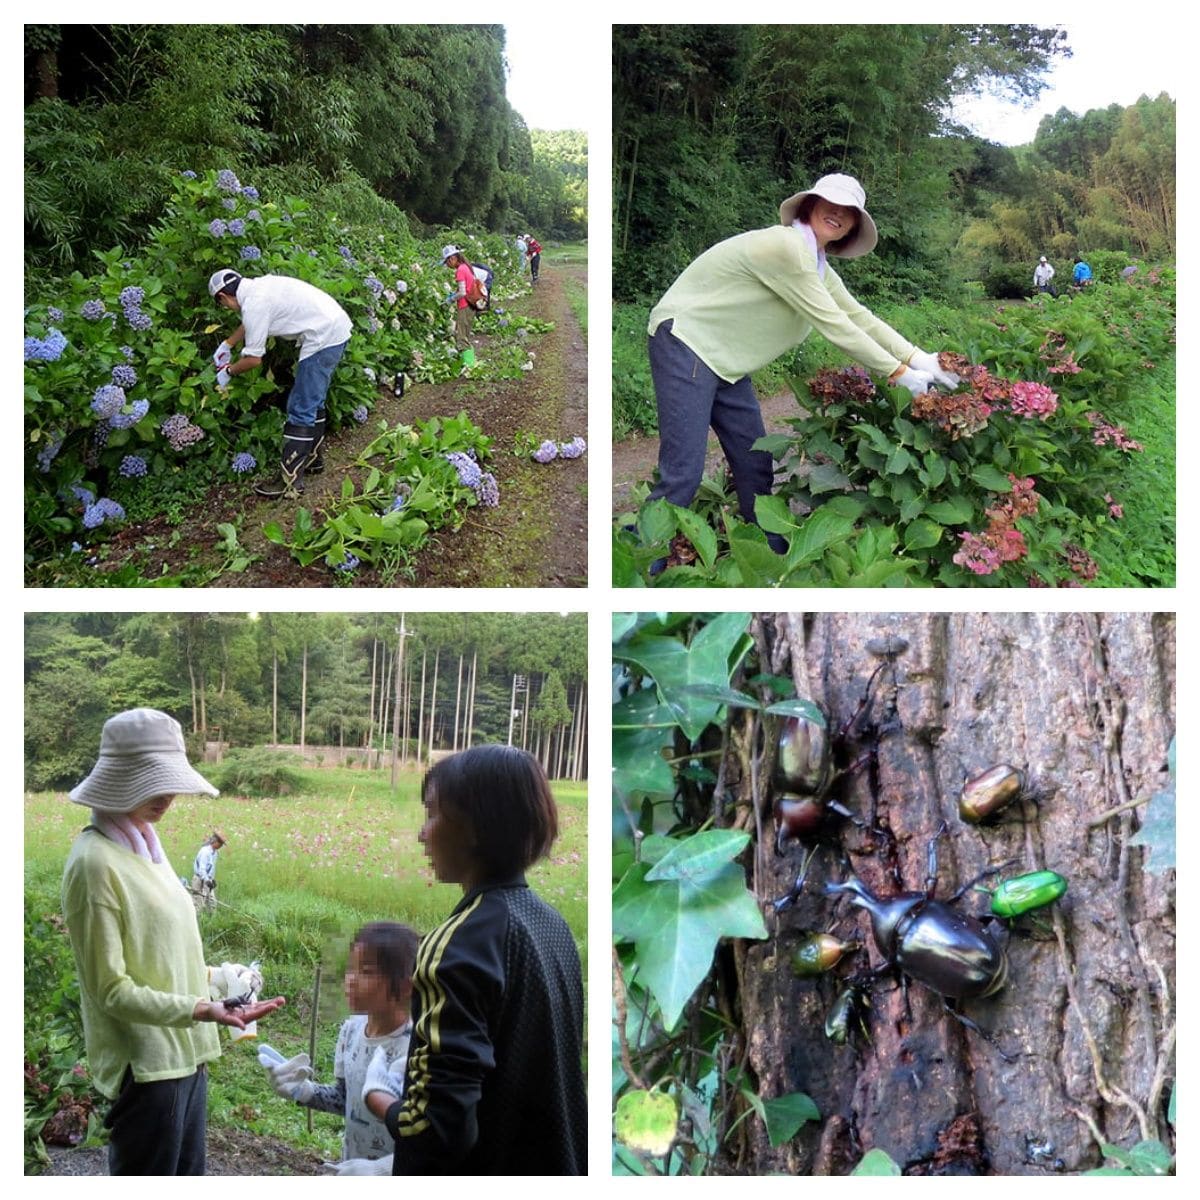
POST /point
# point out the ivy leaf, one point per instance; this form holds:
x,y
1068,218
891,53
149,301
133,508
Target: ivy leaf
x,y
646,1121
1158,832
699,855
622,623
798,707
641,728
784,1115
877,1162
730,697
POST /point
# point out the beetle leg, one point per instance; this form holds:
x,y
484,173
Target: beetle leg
x,y
931,862
983,1033
966,887
786,901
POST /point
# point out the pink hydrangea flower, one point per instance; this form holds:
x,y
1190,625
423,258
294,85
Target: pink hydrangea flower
x,y
976,555
1033,400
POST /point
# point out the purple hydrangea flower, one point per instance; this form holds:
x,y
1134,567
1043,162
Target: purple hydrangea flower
x,y
572,449
351,563
227,181
127,420
360,414
217,227
546,452
180,432
133,465
124,376
398,504
108,400
229,203
188,174
254,215
251,252
242,463
128,352
347,254
488,491
54,314
131,297
469,474
103,510
47,349
85,496
48,453
237,227
139,320
92,310
376,285
251,193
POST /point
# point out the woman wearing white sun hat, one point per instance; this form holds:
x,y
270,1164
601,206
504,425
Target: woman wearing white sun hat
x,y
148,1021
742,304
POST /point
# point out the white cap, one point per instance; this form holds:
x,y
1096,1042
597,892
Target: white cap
x,y
222,279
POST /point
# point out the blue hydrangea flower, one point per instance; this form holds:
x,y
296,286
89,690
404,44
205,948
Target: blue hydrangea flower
x,y
92,310
546,452
139,320
469,474
229,203
108,400
237,226
242,463
127,420
351,563
251,193
489,491
188,174
398,504
373,325
217,227
133,465
376,285
360,414
227,181
124,376
85,496
103,510
54,314
47,349
128,352
254,215
48,453
251,252
131,297
572,449
347,254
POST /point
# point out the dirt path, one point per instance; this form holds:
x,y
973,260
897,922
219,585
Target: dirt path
x,y
634,460
537,537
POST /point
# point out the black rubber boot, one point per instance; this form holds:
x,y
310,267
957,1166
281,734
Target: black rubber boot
x,y
316,463
297,450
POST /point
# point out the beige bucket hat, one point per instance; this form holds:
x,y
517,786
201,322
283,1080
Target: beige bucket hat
x,y
838,189
142,755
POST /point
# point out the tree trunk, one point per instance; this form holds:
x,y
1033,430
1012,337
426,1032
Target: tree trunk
x,y
1085,703
303,696
398,675
370,730
275,697
421,712
471,697
457,700
437,658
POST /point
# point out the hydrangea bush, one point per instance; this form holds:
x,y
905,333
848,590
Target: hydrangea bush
x,y
118,363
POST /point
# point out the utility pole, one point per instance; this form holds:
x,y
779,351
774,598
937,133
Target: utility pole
x,y
512,704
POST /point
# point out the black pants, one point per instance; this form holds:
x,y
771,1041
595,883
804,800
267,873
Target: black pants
x,y
535,261
159,1128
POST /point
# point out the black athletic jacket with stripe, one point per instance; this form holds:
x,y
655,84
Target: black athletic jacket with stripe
x,y
494,1084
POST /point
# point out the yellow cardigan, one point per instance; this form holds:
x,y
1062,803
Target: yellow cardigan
x,y
141,965
751,298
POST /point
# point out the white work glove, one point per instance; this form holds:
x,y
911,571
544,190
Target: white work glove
x,y
361,1166
380,1078
917,382
292,1079
223,378
222,354
930,365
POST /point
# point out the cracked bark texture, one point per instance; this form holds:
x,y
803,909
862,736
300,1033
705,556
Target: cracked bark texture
x,y
1086,704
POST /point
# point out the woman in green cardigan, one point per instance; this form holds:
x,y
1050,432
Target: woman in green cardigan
x,y
148,1021
742,304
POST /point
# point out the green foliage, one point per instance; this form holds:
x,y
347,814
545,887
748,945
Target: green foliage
x,y
258,771
877,1162
1146,1158
1157,833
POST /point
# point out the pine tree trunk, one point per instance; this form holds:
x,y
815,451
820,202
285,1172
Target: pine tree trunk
x,y
471,698
457,701
1085,703
421,756
275,697
370,729
303,696
437,657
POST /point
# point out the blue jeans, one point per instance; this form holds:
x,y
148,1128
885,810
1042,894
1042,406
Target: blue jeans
x,y
312,383
691,398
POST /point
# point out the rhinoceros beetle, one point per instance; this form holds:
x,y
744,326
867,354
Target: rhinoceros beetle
x,y
926,940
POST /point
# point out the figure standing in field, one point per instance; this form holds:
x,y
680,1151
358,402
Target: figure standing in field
x,y
282,307
1082,273
738,307
521,248
495,1082
533,248
1042,274
379,983
204,871
466,299
148,1021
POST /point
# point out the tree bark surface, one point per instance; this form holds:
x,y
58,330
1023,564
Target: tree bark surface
x,y
1085,703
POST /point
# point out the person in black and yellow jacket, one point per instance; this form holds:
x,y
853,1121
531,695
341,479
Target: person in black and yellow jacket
x,y
495,1078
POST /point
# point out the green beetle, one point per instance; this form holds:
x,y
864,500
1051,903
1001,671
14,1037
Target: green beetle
x,y
1024,893
819,952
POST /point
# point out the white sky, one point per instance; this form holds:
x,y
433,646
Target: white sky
x,y
553,82
1114,61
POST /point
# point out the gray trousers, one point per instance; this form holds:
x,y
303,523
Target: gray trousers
x,y
691,398
159,1128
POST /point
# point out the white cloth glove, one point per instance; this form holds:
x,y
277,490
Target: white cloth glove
x,y
917,382
380,1077
361,1166
222,354
223,378
293,1079
930,365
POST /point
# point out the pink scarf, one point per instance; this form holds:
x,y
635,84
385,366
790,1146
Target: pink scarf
x,y
119,828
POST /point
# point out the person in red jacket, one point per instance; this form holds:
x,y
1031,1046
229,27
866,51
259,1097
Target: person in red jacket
x,y
533,251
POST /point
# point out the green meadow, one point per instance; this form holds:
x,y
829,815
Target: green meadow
x,y
299,875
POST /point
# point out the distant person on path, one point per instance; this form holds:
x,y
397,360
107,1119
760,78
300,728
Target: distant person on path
x,y
738,307
281,307
204,871
1082,274
148,1020
533,248
1127,273
521,248
464,318
378,987
1042,274
494,1082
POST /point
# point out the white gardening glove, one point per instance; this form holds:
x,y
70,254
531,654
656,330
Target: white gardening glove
x,y
917,382
292,1079
380,1077
930,365
361,1166
222,354
223,378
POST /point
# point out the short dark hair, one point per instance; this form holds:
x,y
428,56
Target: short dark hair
x,y
502,793
805,211
392,949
